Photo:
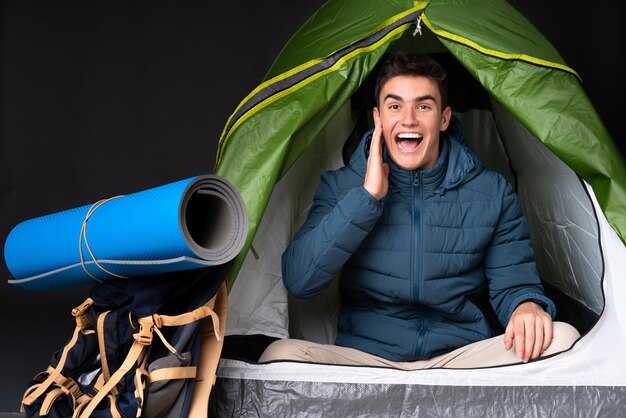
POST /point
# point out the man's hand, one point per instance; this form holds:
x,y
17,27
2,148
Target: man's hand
x,y
377,174
530,328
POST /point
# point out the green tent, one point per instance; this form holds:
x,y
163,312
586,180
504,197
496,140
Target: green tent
x,y
331,55
526,114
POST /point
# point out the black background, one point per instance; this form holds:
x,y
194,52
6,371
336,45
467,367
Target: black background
x,y
105,98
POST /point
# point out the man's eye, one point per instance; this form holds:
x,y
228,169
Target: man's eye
x,y
423,107
394,107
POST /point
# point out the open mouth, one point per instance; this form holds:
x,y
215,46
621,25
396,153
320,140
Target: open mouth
x,y
408,141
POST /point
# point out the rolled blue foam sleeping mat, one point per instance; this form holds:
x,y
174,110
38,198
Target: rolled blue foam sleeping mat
x,y
192,223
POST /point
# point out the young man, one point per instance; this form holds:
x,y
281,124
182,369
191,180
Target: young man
x,y
419,230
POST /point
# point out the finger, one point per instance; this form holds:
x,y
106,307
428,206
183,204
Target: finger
x,y
547,334
539,339
519,339
376,175
529,340
508,336
376,144
376,119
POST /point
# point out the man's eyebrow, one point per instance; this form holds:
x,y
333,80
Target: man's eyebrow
x,y
392,97
417,99
424,98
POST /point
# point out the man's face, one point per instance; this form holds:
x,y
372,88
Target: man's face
x,y
411,119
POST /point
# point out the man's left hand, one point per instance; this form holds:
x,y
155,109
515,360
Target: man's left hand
x,y
530,330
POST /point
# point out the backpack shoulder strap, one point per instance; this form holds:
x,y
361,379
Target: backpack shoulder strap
x,y
83,322
211,343
134,356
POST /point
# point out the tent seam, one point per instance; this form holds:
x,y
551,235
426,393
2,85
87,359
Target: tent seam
x,y
227,132
498,54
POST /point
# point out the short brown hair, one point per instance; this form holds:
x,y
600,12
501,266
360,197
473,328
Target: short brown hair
x,y
402,63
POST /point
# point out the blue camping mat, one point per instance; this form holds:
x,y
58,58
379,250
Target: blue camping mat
x,y
192,223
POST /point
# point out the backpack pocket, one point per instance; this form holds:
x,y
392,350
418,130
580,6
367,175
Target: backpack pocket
x,y
169,379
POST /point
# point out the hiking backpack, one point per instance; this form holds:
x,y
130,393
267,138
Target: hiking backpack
x,y
145,346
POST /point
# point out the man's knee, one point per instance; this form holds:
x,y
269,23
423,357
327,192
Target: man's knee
x,y
284,350
563,337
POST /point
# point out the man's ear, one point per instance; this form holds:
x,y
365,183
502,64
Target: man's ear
x,y
376,114
445,118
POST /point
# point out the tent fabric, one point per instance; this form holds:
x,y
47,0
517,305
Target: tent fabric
x,y
274,391
192,223
393,400
513,61
291,118
526,115
566,232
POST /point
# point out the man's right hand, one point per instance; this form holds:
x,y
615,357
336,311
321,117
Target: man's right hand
x,y
377,174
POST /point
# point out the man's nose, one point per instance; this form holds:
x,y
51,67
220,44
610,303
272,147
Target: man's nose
x,y
409,117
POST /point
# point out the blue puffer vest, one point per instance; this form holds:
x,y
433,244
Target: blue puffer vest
x,y
415,267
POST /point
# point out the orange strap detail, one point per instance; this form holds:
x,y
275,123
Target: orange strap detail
x,y
32,397
106,373
115,413
210,352
171,373
134,356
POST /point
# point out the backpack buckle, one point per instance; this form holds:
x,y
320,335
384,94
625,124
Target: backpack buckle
x,y
71,387
144,336
83,320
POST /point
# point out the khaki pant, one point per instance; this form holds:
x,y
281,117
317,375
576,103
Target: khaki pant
x,y
486,353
